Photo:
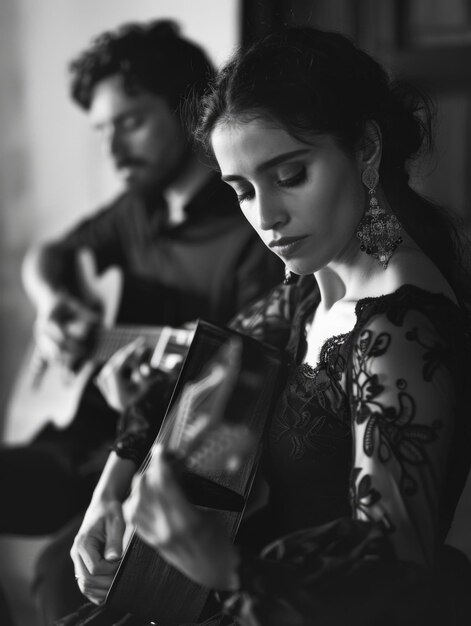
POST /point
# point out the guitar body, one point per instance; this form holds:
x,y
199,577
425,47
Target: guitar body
x,y
145,585
47,392
43,394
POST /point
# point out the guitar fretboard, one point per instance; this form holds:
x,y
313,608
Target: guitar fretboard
x,y
109,340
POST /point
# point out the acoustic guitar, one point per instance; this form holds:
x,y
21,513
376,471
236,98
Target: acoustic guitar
x,y
213,429
48,392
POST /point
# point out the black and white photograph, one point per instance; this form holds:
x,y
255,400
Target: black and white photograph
x,y
235,313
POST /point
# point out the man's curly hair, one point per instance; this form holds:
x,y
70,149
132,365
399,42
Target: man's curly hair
x,y
150,56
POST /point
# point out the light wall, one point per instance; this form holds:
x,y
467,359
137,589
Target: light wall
x,y
68,177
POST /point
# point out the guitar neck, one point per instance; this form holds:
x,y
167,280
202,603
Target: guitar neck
x,y
160,338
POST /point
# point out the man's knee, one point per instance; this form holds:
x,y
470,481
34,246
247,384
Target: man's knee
x,y
54,561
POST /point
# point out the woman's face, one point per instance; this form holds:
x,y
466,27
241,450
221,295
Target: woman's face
x,y
304,200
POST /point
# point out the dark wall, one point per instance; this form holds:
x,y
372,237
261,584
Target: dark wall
x,y
428,44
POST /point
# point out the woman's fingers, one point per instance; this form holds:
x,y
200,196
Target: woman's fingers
x,y
95,588
190,539
94,574
122,359
158,506
115,528
120,379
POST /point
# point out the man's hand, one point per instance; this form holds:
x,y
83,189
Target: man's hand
x,y
63,329
97,549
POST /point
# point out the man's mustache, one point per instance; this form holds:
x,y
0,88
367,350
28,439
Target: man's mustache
x,y
129,162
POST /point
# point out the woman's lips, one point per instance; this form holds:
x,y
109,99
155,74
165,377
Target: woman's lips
x,y
287,246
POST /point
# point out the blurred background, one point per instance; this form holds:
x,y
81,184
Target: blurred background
x,y
51,170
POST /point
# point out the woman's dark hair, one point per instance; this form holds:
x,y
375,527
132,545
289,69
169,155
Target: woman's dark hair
x,y
310,81
150,56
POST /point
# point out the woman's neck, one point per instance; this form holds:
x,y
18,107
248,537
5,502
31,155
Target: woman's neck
x,y
364,277
355,274
348,281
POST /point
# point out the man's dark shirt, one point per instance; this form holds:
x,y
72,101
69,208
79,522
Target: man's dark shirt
x,y
209,266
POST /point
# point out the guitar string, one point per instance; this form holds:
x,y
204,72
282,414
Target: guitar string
x,y
180,414
110,340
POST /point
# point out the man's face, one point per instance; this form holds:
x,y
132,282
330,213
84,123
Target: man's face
x,y
140,133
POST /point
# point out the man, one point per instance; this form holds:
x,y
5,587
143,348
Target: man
x,y
176,233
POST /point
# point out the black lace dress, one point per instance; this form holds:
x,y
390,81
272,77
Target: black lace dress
x,y
365,457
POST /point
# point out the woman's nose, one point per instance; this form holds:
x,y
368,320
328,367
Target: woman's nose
x,y
271,213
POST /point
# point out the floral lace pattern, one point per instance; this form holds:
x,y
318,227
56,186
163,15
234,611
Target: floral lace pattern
x,y
392,390
320,387
397,433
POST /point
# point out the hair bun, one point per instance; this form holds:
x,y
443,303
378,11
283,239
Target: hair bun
x,y
167,29
410,120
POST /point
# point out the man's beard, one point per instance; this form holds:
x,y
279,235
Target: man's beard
x,y
154,187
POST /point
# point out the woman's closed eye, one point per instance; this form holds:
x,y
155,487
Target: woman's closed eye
x,y
292,179
248,195
244,194
287,177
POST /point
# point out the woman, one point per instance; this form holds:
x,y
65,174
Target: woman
x,y
367,450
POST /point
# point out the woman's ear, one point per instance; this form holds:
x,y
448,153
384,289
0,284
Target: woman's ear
x,y
370,147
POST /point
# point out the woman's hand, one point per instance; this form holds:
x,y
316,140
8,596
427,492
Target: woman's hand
x,y
192,540
126,376
97,549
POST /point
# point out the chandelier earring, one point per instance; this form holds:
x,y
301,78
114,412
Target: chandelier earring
x,y
378,231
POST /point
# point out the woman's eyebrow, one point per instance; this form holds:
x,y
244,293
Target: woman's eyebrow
x,y
280,158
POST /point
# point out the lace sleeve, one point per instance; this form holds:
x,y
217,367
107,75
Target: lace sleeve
x,y
404,406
